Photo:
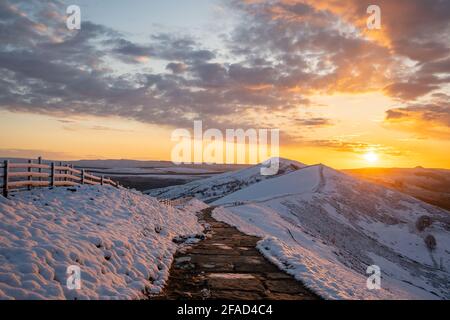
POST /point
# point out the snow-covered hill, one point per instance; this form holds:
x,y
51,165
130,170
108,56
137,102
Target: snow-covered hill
x,y
120,239
326,228
221,185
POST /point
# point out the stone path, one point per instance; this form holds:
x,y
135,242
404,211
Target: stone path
x,y
227,266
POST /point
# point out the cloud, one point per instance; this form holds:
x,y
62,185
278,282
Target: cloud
x,y
409,90
75,126
430,120
278,54
72,74
354,147
314,122
176,67
163,46
314,51
417,34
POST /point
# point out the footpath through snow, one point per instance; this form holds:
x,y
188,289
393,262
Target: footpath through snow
x,y
120,239
227,266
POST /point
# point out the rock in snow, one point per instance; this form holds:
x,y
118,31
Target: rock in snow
x,y
120,239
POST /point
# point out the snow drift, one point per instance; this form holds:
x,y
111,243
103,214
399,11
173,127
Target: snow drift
x,y
121,240
326,228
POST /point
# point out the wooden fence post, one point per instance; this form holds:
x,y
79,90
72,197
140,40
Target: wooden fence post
x,y
82,176
71,173
52,175
30,179
5,178
40,169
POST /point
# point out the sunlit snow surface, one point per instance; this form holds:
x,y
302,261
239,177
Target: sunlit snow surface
x,y
326,228
121,240
220,185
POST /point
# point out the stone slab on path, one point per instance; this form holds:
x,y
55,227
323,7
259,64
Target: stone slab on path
x,y
227,266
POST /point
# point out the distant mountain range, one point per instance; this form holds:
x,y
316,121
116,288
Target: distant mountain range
x,y
141,164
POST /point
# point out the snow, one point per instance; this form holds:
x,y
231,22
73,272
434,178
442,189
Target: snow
x,y
121,240
194,205
287,184
215,187
326,228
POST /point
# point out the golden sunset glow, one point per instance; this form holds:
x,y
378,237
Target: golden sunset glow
x,y
340,94
371,157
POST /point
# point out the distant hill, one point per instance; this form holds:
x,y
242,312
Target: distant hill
x,y
429,185
123,163
138,164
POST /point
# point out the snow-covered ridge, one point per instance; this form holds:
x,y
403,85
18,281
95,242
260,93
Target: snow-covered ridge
x,y
121,240
326,228
221,185
306,179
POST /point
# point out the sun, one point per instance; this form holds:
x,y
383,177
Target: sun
x,y
371,157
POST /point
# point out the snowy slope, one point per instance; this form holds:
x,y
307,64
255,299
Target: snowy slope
x,y
121,240
282,186
218,186
326,228
193,205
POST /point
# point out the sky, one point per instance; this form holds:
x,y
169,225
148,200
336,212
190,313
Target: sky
x,y
341,93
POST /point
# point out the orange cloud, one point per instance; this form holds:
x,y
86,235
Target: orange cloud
x,y
356,147
423,121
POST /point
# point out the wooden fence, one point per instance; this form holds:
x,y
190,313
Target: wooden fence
x,y
175,202
19,176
